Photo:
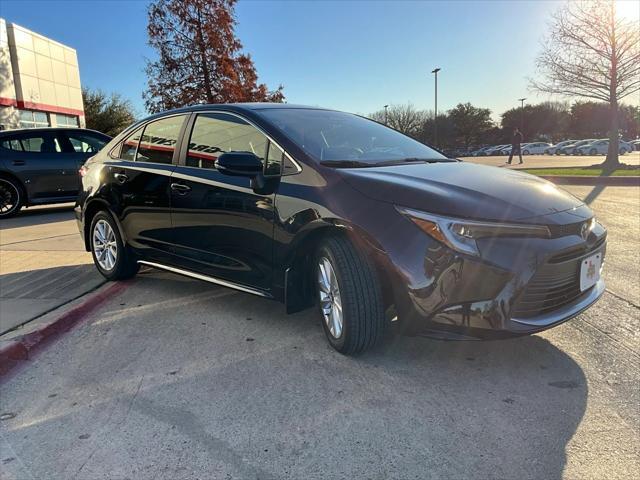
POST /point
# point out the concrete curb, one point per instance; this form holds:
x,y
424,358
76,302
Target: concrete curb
x,y
585,180
20,346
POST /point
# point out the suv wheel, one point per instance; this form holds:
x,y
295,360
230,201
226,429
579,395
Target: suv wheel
x,y
349,297
111,257
11,197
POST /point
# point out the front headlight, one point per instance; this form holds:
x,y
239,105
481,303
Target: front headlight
x,y
461,235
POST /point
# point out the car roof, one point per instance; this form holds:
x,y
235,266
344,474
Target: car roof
x,y
48,129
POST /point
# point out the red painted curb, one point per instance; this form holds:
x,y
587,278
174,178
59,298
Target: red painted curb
x,y
19,348
630,181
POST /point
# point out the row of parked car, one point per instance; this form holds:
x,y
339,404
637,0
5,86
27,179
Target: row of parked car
x,y
591,146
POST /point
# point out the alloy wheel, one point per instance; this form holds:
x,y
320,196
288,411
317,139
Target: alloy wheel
x,y
9,197
105,246
330,300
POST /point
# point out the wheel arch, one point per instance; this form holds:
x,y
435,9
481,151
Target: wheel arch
x,y
298,292
11,176
91,209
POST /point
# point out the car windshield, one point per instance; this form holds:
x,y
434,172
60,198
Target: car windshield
x,y
347,140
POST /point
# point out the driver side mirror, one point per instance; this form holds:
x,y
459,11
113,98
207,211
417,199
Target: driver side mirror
x,y
239,164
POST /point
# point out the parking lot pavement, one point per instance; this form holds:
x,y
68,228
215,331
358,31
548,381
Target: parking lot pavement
x,y
553,161
42,264
179,379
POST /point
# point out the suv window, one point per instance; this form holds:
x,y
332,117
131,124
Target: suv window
x,y
33,142
216,133
83,142
11,144
159,140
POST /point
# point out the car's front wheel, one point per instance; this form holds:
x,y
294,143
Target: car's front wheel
x,y
349,296
111,256
593,152
11,197
525,152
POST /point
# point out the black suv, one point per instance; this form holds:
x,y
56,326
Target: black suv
x,y
40,166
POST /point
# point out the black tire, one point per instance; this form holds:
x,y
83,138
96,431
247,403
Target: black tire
x,y
593,151
526,152
125,265
360,295
12,197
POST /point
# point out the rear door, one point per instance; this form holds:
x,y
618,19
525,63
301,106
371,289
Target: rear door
x,y
37,158
77,146
138,181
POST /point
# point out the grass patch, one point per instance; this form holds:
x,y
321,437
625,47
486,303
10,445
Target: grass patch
x,y
584,172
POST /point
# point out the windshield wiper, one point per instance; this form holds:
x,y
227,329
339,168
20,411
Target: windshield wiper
x,y
345,164
414,160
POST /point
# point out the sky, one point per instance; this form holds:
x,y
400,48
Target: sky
x,y
350,55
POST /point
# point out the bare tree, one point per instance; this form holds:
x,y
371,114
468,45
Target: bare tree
x,y
592,53
404,118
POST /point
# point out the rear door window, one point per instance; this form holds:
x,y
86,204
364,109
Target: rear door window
x,y
83,142
129,146
44,142
159,140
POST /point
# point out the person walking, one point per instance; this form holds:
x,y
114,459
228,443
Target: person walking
x,y
516,141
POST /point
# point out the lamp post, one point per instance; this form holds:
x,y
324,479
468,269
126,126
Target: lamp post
x,y
435,119
385,114
521,100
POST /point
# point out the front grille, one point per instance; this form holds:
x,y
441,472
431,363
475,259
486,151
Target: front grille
x,y
565,230
554,285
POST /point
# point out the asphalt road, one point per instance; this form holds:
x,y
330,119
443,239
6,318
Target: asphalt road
x,y
177,379
553,161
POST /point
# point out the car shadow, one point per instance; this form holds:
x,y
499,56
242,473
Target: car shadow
x,y
492,409
38,216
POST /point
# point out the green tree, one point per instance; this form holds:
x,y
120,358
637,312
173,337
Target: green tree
x,y
547,121
470,124
109,114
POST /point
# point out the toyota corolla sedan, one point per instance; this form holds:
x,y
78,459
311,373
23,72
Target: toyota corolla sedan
x,y
309,206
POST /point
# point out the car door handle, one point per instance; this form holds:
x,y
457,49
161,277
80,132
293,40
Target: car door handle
x,y
180,188
18,162
121,177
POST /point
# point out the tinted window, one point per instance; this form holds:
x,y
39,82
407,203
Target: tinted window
x,y
329,135
216,133
130,145
159,140
84,142
39,143
11,144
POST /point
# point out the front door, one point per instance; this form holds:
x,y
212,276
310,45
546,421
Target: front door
x,y
222,227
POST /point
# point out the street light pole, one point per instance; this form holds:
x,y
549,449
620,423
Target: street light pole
x,y
435,119
385,114
521,100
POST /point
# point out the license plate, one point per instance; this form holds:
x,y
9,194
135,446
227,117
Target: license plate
x,y
590,271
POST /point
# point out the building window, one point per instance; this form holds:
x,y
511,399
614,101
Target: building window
x,y
32,119
66,120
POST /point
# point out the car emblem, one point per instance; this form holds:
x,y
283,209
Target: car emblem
x,y
584,230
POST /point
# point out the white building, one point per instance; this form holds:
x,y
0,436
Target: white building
x,y
39,81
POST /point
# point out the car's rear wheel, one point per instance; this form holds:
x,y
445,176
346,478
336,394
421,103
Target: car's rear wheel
x,y
349,297
112,257
11,197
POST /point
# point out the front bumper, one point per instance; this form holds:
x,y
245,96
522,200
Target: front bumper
x,y
441,293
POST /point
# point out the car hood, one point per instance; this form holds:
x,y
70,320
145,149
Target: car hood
x,y
467,190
